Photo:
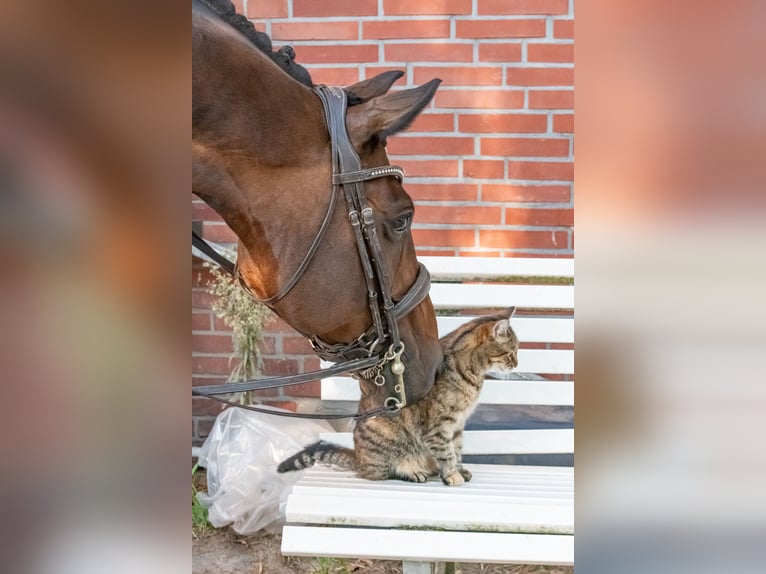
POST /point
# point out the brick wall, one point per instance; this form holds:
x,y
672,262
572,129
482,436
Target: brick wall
x,y
489,163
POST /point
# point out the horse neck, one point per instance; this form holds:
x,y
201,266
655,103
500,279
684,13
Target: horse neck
x,y
252,125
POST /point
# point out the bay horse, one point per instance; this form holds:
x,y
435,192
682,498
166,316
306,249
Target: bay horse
x,y
263,158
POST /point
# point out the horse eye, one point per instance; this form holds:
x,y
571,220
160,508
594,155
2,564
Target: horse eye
x,y
402,223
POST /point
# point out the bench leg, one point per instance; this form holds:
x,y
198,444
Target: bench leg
x,y
409,567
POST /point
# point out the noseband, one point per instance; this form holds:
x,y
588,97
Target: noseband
x,y
380,344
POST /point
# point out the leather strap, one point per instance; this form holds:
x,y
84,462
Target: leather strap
x,y
207,249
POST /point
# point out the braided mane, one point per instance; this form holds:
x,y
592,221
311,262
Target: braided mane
x,y
284,57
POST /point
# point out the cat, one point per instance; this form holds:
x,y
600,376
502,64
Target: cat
x,y
425,439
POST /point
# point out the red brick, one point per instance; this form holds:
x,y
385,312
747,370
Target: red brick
x,y
529,76
563,123
204,212
405,7
473,99
238,6
525,147
324,9
405,29
500,52
430,146
509,123
312,363
525,193
461,75
335,76
220,325
201,276
210,343
266,9
563,29
500,28
435,252
280,366
446,52
212,365
541,170
459,214
279,326
483,168
426,122
267,345
513,239
311,389
296,346
200,322
376,69
314,31
469,253
204,379
332,54
285,405
550,53
429,167
201,299
522,7
551,99
546,217
206,407
442,192
204,427
449,237
218,233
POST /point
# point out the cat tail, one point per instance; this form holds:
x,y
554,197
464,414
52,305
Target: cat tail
x,y
322,452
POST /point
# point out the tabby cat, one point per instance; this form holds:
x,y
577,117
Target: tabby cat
x,y
426,438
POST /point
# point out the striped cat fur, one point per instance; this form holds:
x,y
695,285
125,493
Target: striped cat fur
x,y
425,439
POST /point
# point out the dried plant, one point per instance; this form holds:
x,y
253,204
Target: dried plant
x,y
244,316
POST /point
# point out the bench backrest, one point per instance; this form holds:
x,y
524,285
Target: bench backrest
x,y
530,413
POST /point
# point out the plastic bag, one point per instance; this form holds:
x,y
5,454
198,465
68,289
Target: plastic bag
x,y
241,455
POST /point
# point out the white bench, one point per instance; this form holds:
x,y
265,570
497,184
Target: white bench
x,y
508,513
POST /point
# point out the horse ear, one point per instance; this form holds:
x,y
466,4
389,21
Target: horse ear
x,y
388,114
365,90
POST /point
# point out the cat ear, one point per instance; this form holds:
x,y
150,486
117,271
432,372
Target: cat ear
x,y
502,330
511,312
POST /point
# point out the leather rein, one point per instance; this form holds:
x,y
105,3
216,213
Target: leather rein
x,y
380,345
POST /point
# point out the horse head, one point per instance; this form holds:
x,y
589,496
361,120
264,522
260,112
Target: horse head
x,y
262,158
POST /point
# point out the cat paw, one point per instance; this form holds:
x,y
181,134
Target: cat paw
x,y
466,474
413,477
454,479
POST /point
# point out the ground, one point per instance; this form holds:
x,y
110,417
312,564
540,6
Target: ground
x,y
222,551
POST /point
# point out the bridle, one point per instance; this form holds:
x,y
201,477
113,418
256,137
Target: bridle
x,y
380,345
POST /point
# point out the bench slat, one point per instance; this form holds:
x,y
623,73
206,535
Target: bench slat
x,y
548,508
377,544
392,512
539,441
470,267
477,296
494,392
528,329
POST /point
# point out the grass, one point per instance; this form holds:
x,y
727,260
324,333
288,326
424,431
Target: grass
x,y
199,513
330,566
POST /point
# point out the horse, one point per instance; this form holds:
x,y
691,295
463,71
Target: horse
x,y
263,159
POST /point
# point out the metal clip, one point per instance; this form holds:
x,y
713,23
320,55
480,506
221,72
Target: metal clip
x,y
394,354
